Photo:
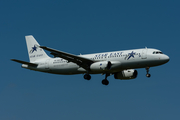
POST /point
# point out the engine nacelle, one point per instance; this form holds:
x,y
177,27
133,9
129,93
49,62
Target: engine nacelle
x,y
101,66
126,74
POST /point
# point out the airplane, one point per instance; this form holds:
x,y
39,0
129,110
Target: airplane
x,y
121,64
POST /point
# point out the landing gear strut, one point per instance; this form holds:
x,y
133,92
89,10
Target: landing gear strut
x,y
87,76
147,70
105,81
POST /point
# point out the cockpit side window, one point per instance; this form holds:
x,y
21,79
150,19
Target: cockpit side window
x,y
160,52
157,52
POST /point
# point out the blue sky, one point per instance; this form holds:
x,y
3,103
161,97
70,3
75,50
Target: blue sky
x,y
89,27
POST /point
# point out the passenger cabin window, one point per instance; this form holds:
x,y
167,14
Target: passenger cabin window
x,y
157,52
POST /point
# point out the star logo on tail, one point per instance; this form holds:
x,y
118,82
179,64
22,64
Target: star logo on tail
x,y
34,48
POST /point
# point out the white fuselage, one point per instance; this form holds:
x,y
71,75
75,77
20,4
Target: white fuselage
x,y
121,64
121,60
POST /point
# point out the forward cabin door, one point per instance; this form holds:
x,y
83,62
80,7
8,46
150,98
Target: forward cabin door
x,y
144,54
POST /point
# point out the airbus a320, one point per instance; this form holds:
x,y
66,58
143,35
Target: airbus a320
x,y
121,64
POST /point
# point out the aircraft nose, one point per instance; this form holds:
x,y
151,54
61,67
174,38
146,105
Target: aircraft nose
x,y
166,58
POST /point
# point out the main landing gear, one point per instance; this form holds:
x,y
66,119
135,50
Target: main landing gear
x,y
87,76
147,70
104,82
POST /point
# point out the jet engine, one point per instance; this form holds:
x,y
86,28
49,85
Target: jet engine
x,y
126,74
100,66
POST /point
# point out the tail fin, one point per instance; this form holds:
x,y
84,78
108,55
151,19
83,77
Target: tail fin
x,y
34,51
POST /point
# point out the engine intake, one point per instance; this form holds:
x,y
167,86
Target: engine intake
x,y
126,74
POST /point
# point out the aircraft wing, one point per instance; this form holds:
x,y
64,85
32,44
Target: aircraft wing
x,y
81,61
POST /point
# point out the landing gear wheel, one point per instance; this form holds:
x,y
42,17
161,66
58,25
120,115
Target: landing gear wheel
x,y
147,70
87,77
148,75
105,82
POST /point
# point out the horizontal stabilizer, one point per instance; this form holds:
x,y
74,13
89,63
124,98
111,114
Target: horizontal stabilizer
x,y
27,63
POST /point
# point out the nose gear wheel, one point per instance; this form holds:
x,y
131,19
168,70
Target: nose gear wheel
x,y
147,70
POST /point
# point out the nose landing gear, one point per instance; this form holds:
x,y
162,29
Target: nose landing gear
x,y
147,70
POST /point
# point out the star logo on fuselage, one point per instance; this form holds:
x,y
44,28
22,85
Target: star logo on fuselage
x,y
130,55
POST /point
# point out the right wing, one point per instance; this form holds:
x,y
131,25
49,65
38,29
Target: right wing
x,y
81,61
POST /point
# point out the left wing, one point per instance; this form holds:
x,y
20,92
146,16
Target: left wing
x,y
81,61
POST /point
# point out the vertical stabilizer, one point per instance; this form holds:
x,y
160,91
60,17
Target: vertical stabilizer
x,y
34,51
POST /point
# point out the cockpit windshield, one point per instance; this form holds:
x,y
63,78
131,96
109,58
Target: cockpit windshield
x,y
157,52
